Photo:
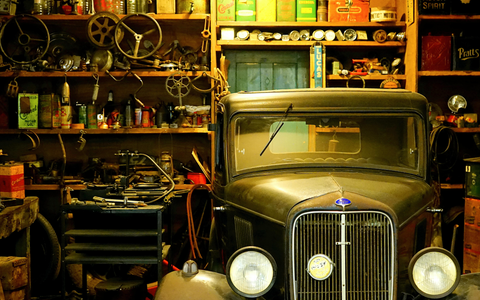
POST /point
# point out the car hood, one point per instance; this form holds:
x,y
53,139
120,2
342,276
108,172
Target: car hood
x,y
273,196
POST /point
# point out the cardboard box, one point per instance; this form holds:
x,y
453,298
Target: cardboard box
x,y
12,181
13,272
471,261
472,177
225,10
339,12
383,4
463,7
27,111
306,11
434,7
245,10
466,53
266,10
472,212
166,6
436,53
286,10
15,294
470,238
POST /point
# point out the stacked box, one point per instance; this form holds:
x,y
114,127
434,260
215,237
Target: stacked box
x,y
166,7
225,10
471,251
245,10
286,11
434,7
436,53
306,10
338,11
13,277
266,10
466,53
464,7
12,181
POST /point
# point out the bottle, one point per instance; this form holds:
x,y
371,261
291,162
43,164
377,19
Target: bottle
x,y
161,114
128,113
108,110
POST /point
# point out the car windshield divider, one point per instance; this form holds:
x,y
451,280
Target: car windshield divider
x,y
279,126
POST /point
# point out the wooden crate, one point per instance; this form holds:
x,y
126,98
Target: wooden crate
x,y
13,273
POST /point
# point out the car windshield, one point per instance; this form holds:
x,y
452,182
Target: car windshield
x,y
376,141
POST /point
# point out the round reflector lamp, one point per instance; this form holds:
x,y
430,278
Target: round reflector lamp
x,y
251,272
456,102
434,272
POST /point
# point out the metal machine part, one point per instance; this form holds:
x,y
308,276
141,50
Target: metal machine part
x,y
380,36
100,29
24,39
127,24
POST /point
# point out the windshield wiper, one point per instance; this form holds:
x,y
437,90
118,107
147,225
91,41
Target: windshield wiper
x,y
279,126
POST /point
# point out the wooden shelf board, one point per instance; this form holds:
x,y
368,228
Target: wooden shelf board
x,y
56,187
309,24
449,17
110,131
116,74
466,130
368,77
447,186
448,73
283,44
158,17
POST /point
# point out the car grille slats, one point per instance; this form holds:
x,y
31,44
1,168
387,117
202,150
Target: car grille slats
x,y
368,259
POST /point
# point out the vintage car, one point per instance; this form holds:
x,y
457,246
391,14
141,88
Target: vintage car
x,y
321,194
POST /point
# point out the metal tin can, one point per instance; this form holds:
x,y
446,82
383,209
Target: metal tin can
x,y
82,115
91,116
145,117
66,116
138,116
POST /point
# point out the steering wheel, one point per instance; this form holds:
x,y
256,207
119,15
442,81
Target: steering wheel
x,y
100,29
129,24
24,39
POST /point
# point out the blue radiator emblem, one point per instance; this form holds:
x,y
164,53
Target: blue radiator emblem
x,y
343,202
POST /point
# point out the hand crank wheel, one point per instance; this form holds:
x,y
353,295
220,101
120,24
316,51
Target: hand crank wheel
x,y
24,39
100,29
133,27
178,85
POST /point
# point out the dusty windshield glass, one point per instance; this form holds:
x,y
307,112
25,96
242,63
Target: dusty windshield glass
x,y
367,141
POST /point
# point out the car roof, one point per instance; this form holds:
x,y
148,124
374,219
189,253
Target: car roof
x,y
327,99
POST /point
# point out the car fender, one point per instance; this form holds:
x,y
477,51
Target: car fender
x,y
205,285
467,289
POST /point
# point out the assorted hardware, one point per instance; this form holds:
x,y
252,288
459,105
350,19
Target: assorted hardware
x,y
348,34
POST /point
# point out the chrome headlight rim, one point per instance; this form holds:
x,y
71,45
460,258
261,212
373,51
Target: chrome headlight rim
x,y
251,249
419,255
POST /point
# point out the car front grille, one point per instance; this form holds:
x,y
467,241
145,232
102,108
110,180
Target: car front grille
x,y
363,271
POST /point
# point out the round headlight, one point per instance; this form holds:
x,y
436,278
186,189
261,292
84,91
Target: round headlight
x,y
434,272
251,272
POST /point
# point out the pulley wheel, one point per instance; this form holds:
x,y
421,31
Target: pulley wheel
x,y
138,28
24,39
178,85
100,29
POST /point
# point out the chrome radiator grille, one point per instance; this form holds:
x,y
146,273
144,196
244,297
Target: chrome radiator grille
x,y
367,262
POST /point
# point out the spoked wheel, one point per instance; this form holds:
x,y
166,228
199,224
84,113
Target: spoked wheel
x,y
100,29
24,39
178,85
143,44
